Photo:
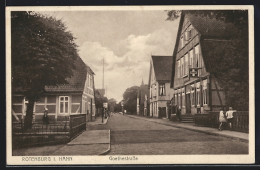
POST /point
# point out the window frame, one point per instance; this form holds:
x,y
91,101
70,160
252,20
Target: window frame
x,y
198,96
183,97
162,86
205,93
64,101
191,58
186,63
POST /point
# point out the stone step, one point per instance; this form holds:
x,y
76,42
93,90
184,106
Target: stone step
x,y
183,121
187,118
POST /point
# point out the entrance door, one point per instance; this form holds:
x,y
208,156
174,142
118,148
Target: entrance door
x,y
188,104
162,112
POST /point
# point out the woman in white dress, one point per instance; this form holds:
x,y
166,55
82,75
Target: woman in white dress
x,y
222,119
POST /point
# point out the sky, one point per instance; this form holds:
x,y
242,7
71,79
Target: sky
x,y
125,39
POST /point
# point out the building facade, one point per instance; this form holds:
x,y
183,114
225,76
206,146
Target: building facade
x,y
142,96
76,97
159,85
199,40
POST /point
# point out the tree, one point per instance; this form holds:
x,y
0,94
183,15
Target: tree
x,y
99,99
118,107
111,104
130,99
43,53
232,71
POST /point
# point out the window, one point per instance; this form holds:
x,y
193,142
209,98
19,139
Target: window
x,y
151,92
198,93
162,89
191,58
198,59
181,42
176,97
192,96
186,68
179,69
183,97
187,35
64,104
179,98
182,66
155,92
205,93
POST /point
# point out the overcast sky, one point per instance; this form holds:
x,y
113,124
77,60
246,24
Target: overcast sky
x,y
125,39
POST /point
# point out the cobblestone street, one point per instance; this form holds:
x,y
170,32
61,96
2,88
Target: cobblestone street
x,y
138,137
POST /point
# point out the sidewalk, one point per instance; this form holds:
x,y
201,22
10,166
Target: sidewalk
x,y
98,121
90,142
190,126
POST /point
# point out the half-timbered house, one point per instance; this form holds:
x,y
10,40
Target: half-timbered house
x,y
195,56
76,97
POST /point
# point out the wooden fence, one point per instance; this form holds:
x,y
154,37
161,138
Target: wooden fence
x,y
54,132
240,121
77,124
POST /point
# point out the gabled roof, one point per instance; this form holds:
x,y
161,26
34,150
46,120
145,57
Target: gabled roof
x,y
176,49
162,67
215,36
213,52
210,27
76,83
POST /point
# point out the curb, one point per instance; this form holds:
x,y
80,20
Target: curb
x,y
109,147
195,130
104,122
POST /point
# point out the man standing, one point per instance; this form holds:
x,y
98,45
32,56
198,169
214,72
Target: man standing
x,y
178,112
102,114
230,116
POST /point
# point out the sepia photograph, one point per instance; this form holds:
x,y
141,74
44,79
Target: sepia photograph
x,y
130,85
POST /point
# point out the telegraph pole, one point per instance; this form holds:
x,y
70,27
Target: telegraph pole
x,y
103,75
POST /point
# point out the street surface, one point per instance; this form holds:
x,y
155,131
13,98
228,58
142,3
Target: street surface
x,y
131,136
134,136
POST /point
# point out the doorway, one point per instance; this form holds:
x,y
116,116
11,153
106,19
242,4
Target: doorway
x,y
162,112
188,104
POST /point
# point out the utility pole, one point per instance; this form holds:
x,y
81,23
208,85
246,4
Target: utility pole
x,y
103,75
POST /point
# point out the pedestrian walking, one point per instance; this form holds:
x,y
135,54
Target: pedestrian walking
x,y
230,116
222,120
